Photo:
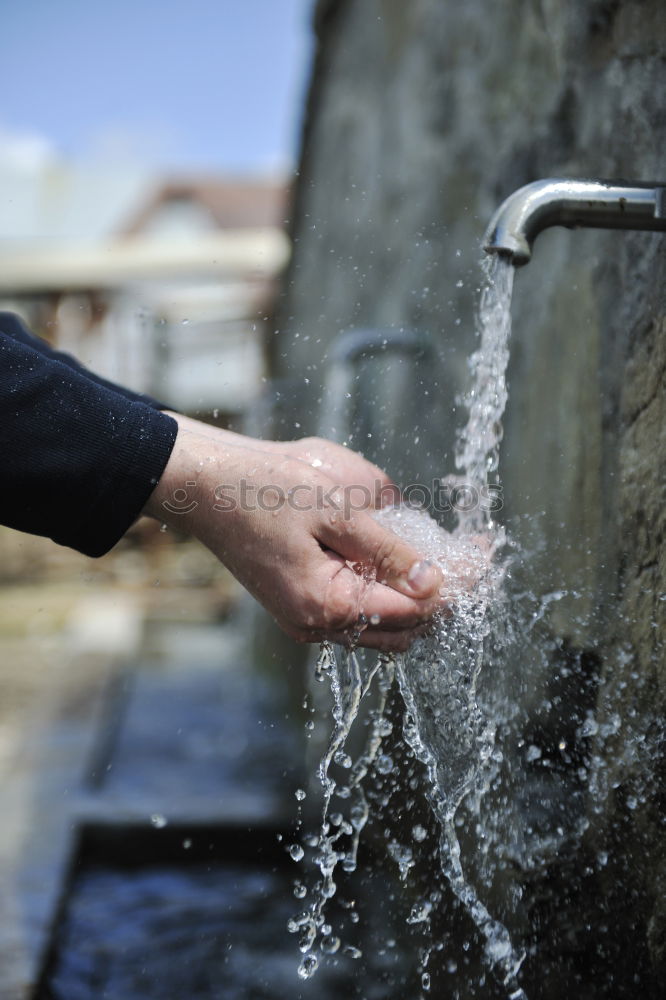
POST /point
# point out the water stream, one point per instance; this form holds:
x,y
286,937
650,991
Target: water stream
x,y
444,724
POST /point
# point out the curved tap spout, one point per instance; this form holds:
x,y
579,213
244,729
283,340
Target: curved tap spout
x,y
559,202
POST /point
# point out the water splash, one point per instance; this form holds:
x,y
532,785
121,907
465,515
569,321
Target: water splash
x,y
438,680
339,835
443,722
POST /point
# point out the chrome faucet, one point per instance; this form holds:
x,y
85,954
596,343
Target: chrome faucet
x,y
594,204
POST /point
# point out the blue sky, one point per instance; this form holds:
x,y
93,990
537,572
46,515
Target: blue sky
x,y
198,85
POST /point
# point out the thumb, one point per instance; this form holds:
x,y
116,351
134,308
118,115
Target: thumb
x,y
360,539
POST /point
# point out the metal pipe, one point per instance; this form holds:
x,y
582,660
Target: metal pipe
x,y
594,204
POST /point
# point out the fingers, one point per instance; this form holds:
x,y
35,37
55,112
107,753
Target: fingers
x,y
350,596
383,642
367,638
360,540
384,490
356,612
349,470
387,608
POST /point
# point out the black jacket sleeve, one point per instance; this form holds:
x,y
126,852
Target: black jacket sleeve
x,y
79,457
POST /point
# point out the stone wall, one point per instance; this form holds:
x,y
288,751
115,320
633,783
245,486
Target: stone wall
x,y
422,117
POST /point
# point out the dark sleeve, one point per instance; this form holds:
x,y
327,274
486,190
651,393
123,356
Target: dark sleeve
x,y
14,327
78,458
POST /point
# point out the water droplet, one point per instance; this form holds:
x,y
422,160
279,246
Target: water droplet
x,y
419,912
300,794
343,759
499,947
306,937
419,833
300,890
375,619
358,816
351,951
300,920
330,944
384,764
158,821
403,855
187,843
308,966
425,981
590,726
296,852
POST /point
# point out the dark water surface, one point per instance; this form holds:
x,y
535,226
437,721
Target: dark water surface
x,y
197,933
201,931
181,885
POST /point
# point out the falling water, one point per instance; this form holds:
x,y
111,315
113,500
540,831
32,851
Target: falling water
x,y
443,723
477,455
438,680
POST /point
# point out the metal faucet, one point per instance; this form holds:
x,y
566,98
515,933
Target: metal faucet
x,y
557,201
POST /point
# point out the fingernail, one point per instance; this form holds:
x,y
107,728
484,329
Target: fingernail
x,y
421,576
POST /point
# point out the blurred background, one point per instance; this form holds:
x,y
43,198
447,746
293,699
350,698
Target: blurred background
x,y
147,155
146,160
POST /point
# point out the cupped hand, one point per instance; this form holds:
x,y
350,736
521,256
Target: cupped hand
x,y
298,539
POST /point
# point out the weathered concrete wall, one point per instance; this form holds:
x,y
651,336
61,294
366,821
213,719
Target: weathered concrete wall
x,y
423,116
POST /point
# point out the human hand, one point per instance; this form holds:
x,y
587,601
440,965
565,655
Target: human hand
x,y
347,468
323,568
360,478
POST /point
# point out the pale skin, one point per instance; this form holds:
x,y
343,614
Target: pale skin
x,y
322,571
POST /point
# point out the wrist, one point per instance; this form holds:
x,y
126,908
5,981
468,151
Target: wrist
x,y
202,473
